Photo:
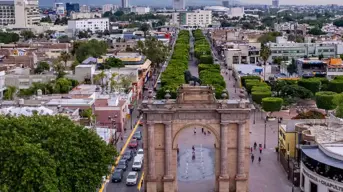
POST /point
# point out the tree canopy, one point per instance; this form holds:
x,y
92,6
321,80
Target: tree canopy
x,y
51,153
154,50
93,48
8,37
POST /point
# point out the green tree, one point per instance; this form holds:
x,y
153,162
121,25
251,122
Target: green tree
x,y
41,67
336,85
51,153
112,62
155,51
58,68
99,78
316,31
46,20
64,39
63,85
113,83
27,34
65,56
10,93
74,65
145,28
92,48
8,37
338,22
325,100
272,104
126,81
269,37
265,54
312,84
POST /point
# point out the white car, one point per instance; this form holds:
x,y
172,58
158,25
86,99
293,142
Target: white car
x,y
132,178
140,153
137,163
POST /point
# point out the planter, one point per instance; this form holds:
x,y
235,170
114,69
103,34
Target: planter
x,y
271,118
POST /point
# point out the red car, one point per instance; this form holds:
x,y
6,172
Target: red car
x,y
133,143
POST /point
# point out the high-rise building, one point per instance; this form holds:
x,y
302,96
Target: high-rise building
x,y
201,18
7,16
75,7
179,4
85,9
26,13
125,3
226,3
107,8
275,3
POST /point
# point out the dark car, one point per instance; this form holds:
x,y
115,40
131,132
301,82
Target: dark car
x,y
128,155
117,175
122,165
137,135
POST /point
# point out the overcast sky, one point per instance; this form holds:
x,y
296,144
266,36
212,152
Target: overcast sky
x,y
191,2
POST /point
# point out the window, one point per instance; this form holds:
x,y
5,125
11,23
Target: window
x,y
302,180
313,187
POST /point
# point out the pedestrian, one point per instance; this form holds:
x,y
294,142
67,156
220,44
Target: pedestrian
x,y
195,131
202,130
250,149
260,149
252,158
205,133
208,132
255,145
259,160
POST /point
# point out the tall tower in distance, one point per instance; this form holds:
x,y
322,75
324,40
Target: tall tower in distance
x,y
179,4
275,3
124,3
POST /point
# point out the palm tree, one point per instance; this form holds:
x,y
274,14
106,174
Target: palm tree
x,y
126,82
265,54
59,68
10,93
113,83
100,78
65,56
145,28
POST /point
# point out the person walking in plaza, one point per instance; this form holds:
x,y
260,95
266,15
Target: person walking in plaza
x,y
260,149
259,160
202,130
195,131
251,150
255,145
252,158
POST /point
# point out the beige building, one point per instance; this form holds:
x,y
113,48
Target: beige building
x,y
201,18
85,15
26,13
22,79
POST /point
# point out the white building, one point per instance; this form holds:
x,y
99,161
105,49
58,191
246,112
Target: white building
x,y
229,11
140,10
321,168
125,3
7,13
2,84
89,15
108,8
26,13
94,25
85,9
179,4
201,18
61,11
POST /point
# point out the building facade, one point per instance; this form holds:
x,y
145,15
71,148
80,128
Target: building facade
x,y
275,3
311,67
87,15
125,4
7,13
94,25
107,8
26,13
140,10
179,4
72,7
201,18
85,9
321,168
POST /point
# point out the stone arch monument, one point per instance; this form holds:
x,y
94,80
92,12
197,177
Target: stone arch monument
x,y
228,120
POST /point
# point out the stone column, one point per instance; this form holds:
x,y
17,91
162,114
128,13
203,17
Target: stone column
x,y
223,150
168,149
241,151
151,155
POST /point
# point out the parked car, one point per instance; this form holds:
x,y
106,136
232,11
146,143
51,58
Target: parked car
x,y
133,143
137,135
117,175
137,163
132,178
140,153
128,155
122,165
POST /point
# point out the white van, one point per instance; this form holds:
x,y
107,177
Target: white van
x,y
140,153
137,163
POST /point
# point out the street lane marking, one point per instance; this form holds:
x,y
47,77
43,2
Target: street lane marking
x,y
120,155
140,182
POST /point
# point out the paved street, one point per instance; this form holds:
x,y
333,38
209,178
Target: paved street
x,y
192,63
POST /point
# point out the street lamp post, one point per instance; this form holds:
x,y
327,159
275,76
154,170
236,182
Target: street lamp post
x,y
265,132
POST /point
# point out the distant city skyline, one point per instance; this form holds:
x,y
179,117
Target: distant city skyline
x,y
193,2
